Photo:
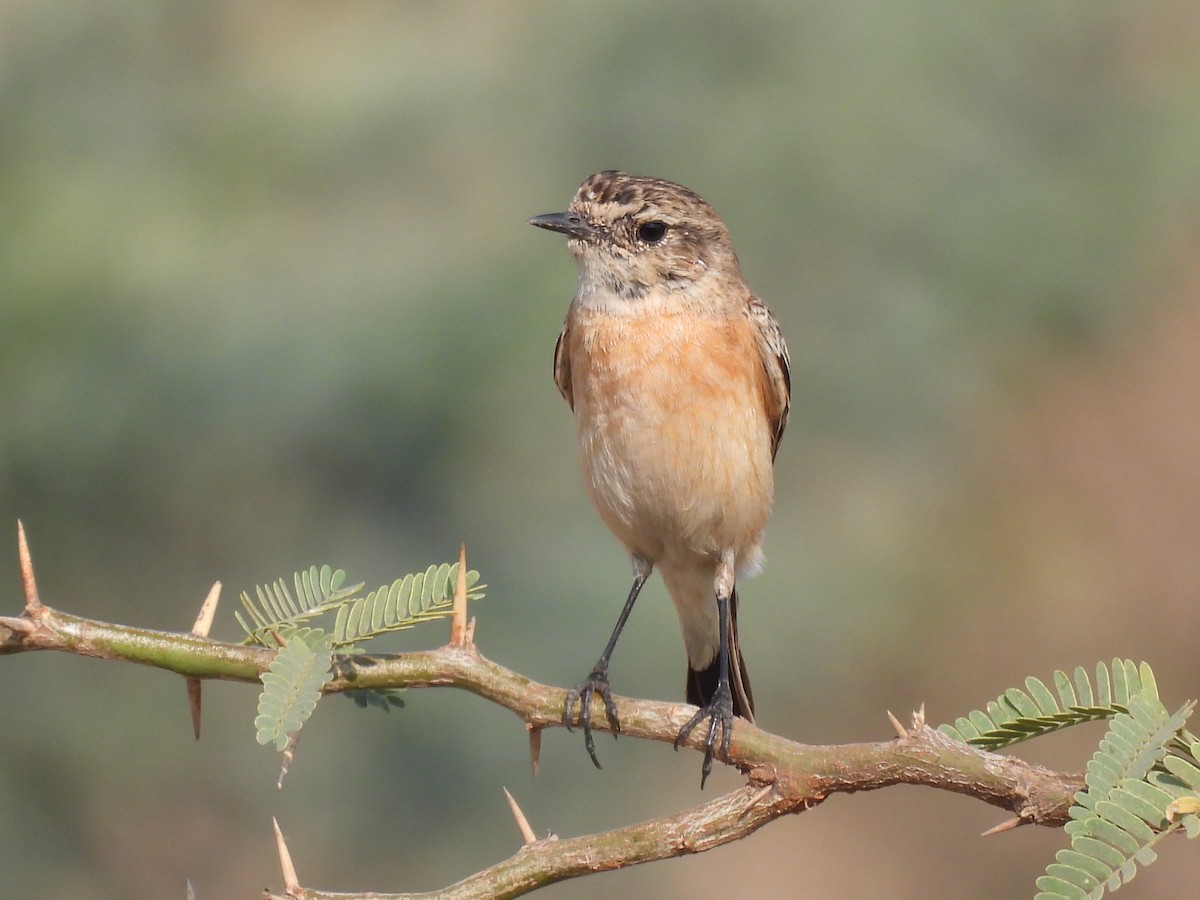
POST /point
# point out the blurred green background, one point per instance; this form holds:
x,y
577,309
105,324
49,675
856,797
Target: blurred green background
x,y
268,298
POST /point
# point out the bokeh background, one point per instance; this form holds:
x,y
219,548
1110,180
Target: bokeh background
x,y
268,299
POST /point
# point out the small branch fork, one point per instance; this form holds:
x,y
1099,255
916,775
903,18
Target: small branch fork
x,y
783,776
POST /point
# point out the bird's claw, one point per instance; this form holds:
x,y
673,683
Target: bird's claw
x,y
719,712
595,683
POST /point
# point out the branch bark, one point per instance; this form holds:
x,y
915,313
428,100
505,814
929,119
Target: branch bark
x,y
784,776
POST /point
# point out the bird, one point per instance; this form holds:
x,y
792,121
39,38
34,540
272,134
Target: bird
x,y
678,378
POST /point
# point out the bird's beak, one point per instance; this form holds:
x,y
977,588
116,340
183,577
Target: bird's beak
x,y
570,224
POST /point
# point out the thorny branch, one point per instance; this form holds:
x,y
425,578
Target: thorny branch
x,y
783,776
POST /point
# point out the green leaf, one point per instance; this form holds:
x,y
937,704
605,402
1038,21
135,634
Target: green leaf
x,y
1046,703
1093,857
380,698
293,685
1066,691
1115,824
1104,696
407,602
317,591
1084,688
1146,677
1057,888
1070,871
1017,715
1117,815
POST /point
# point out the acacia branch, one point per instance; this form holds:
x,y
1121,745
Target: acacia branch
x,y
785,776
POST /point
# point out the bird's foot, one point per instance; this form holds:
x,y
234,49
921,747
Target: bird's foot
x,y
595,683
719,712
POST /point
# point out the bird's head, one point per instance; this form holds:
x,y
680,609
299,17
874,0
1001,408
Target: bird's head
x,y
631,234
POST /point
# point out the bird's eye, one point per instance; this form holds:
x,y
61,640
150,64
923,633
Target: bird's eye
x,y
652,232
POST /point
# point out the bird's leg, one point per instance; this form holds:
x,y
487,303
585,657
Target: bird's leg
x,y
719,710
597,681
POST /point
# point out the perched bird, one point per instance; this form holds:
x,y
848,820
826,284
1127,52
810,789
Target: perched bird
x,y
678,378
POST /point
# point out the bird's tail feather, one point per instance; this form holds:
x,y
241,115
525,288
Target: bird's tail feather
x,y
702,683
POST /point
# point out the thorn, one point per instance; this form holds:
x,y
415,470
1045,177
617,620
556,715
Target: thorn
x,y
1006,825
535,747
900,732
761,793
471,631
279,641
764,790
208,611
193,693
918,722
291,883
289,754
14,623
458,622
33,604
527,834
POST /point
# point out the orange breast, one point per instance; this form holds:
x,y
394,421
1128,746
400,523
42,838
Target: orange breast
x,y
674,442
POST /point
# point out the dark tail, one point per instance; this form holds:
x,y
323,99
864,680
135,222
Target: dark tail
x,y
702,683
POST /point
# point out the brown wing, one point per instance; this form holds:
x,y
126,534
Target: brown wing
x,y
772,350
562,367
